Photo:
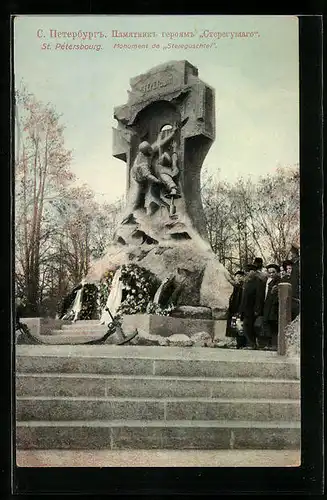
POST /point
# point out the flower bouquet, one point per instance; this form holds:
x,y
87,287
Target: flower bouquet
x,y
139,288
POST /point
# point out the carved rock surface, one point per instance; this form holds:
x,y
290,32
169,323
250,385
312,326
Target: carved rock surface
x,y
148,339
227,344
216,286
180,340
164,259
201,339
199,312
115,257
219,314
215,289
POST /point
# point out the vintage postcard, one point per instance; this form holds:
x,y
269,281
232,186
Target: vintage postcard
x,y
157,241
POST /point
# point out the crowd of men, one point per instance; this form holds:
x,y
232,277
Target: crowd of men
x,y
253,306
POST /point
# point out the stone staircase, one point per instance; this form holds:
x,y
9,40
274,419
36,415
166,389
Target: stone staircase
x,y
81,331
136,397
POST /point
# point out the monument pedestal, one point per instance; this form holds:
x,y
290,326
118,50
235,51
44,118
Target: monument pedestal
x,y
44,326
165,326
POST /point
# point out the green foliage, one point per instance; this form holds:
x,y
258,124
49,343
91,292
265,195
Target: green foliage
x,y
139,288
153,308
88,309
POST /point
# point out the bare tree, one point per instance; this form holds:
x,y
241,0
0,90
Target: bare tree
x,y
84,230
216,204
250,219
42,169
275,212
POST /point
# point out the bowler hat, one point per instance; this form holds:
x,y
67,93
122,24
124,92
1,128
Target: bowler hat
x,y
258,262
274,266
241,273
250,267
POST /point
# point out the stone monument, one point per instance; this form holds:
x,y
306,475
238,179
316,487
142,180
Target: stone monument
x,y
164,133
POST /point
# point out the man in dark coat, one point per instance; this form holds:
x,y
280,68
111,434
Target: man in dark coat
x,y
295,280
248,304
267,308
234,310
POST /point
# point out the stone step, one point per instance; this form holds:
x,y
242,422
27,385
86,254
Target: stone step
x,y
80,331
154,360
159,458
105,408
84,322
84,327
60,337
217,435
73,384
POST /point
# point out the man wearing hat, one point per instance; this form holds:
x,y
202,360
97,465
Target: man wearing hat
x,y
234,310
261,269
267,308
247,307
258,263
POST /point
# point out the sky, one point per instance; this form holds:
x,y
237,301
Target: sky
x,y
256,82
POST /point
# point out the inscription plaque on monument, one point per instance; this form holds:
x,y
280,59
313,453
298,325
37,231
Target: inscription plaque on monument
x,y
155,83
